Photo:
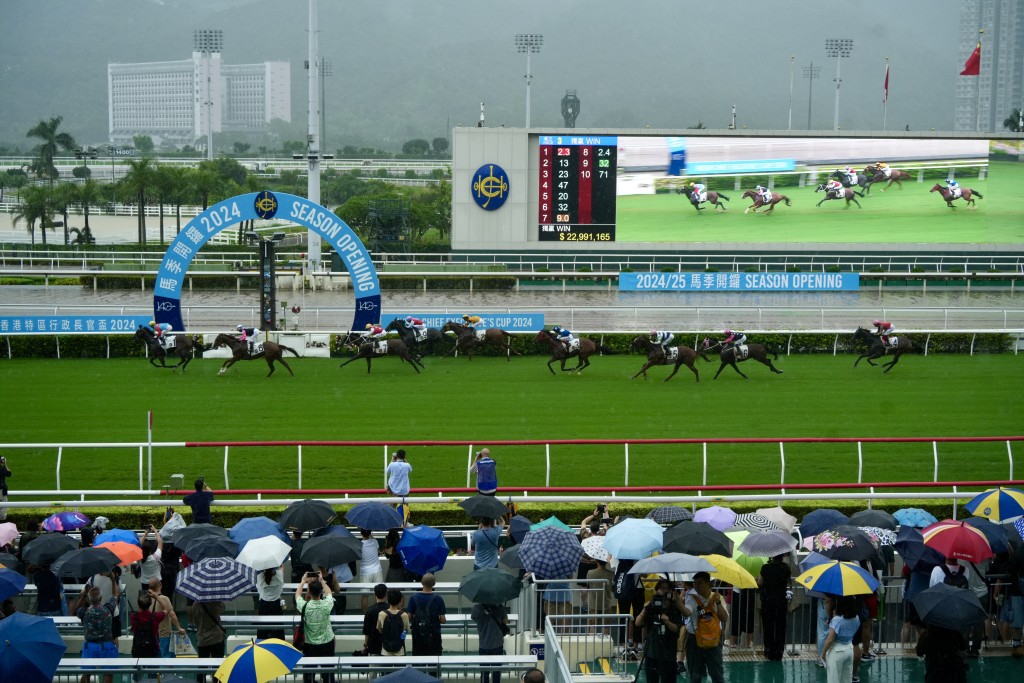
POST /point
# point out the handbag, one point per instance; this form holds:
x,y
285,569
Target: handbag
x,y
182,646
299,636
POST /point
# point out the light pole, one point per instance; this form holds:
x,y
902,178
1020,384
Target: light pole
x,y
791,59
85,154
810,73
838,48
268,277
207,42
530,43
326,69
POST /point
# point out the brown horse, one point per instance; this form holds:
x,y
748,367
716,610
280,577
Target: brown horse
x,y
966,194
876,349
895,176
240,351
378,349
843,193
731,356
467,339
759,201
713,198
182,346
585,350
655,356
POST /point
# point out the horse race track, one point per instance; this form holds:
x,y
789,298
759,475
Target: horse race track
x,y
490,399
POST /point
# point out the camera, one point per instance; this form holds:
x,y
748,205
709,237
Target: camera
x,y
602,508
311,573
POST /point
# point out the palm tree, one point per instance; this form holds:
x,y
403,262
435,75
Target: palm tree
x,y
62,196
52,142
1012,123
141,177
174,189
36,205
89,194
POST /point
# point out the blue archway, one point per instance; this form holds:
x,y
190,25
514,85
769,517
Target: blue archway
x,y
226,214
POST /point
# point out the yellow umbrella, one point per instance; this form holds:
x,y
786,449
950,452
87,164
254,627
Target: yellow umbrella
x,y
730,571
258,661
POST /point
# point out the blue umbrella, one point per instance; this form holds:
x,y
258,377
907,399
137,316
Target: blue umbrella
x,y
215,580
255,527
122,535
375,516
550,553
821,519
30,648
634,539
518,526
813,559
917,556
915,517
408,675
65,521
423,549
11,583
995,533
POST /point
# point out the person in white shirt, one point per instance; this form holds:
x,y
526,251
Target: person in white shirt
x,y
270,585
370,569
952,566
149,567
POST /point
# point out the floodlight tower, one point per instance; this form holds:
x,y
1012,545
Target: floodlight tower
x,y
839,48
810,73
570,108
530,43
207,42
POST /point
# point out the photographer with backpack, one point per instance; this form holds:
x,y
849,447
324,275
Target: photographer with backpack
x,y
663,620
704,628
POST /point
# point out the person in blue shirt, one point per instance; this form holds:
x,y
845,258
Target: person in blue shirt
x,y
563,335
398,474
485,544
160,331
954,187
486,471
838,650
200,502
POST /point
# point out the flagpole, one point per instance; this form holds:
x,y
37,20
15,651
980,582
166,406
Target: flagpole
x,y
885,100
977,122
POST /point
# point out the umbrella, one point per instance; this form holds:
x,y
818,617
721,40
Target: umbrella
x,y
593,546
879,536
10,561
550,553
949,607
994,533
307,514
331,550
634,539
838,578
30,648
208,547
333,530
779,517
127,553
42,550
754,520
11,583
552,522
672,563
999,505
716,516
874,518
750,563
821,519
8,532
85,562
258,661
66,521
518,526
668,514
915,517
408,675
423,549
375,516
182,537
510,558
916,555
264,553
813,559
730,571
957,540
768,543
215,580
490,586
121,535
255,527
483,506
696,538
846,543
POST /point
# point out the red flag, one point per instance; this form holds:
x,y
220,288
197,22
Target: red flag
x,y
885,97
973,65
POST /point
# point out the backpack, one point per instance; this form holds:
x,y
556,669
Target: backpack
x,y
393,632
957,579
708,629
624,585
422,625
144,642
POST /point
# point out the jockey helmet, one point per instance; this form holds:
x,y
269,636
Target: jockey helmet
x,y
369,326
654,332
556,328
239,327
408,318
465,316
152,323
728,332
876,323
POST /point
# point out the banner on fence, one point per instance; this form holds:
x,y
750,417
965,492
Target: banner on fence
x,y
510,322
739,282
70,324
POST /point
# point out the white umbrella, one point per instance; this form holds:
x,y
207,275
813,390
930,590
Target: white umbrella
x,y
593,546
780,517
264,553
672,563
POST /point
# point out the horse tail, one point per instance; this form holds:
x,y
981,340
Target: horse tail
x,y
722,196
977,194
288,348
859,194
788,202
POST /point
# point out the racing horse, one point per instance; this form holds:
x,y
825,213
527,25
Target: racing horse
x,y
846,193
655,356
966,193
895,176
876,349
271,352
467,339
864,179
759,201
378,349
713,198
585,350
730,356
183,348
408,337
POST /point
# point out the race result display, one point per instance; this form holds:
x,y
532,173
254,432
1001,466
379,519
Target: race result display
x,y
577,187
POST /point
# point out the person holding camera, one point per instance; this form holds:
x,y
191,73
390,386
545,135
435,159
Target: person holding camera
x,y
596,523
315,617
200,502
663,617
486,471
398,474
4,473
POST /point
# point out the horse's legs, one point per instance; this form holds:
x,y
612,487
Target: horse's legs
x,y
584,362
643,370
895,360
720,368
355,357
270,364
675,369
819,203
768,361
369,358
854,200
553,359
737,369
227,364
287,367
692,367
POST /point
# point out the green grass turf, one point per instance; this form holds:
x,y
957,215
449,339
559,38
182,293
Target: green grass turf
x,y
491,399
907,215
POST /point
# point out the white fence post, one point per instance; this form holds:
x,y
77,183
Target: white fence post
x,y
935,460
1009,454
226,484
300,465
860,462
547,464
60,454
627,463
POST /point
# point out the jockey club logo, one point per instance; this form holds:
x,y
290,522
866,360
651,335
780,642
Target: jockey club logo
x,y
265,204
490,187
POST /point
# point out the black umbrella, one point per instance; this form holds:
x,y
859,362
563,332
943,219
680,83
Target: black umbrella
x,y
949,607
668,514
490,586
42,550
875,518
510,558
995,533
10,561
85,562
819,520
846,543
209,547
696,538
307,514
916,555
518,527
331,550
182,537
484,506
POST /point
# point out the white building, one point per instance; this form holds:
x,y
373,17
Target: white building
x,y
168,101
983,102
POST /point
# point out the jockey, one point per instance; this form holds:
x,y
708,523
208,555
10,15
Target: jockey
x,y
412,323
851,173
883,330
954,187
375,332
249,334
160,331
563,335
699,194
764,193
884,169
662,339
471,321
733,339
835,187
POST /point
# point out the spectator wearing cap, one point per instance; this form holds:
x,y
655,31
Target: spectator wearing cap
x,y
398,474
200,502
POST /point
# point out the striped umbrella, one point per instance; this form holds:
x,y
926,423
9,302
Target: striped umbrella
x,y
550,553
999,505
215,580
258,662
779,517
754,520
957,540
838,578
748,562
668,514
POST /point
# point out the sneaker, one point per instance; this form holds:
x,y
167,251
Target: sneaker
x,y
867,657
821,663
856,679
680,668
